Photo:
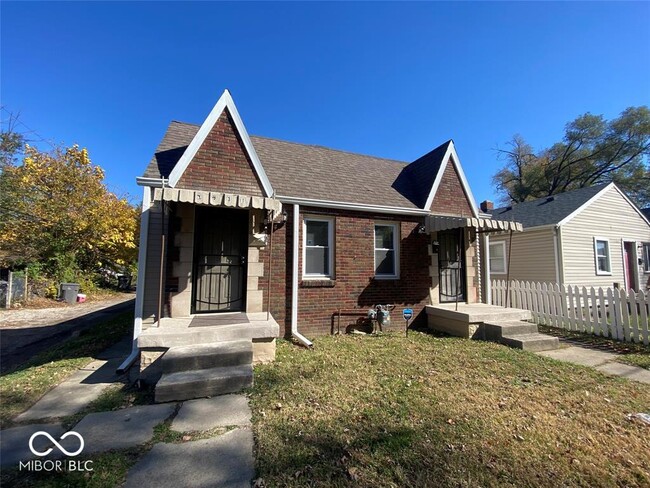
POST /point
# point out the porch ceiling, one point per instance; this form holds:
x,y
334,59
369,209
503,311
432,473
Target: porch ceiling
x,y
216,199
435,223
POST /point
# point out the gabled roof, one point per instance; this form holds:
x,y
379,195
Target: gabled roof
x,y
311,172
548,210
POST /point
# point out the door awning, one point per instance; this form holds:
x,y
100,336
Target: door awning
x,y
216,199
435,223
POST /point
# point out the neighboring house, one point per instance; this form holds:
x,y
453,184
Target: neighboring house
x,y
293,234
593,236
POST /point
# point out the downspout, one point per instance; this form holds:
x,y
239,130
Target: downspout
x,y
139,292
294,279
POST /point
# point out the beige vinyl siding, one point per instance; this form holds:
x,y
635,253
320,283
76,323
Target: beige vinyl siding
x,y
611,217
152,269
533,256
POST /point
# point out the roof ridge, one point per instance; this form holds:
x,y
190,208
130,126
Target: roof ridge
x,y
306,145
512,205
330,149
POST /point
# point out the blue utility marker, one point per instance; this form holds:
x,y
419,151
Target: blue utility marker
x,y
407,313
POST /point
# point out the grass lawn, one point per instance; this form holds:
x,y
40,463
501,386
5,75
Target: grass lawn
x,y
22,387
433,411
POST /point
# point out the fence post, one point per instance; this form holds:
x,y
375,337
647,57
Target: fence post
x,y
9,289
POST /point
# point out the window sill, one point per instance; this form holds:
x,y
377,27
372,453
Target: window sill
x,y
317,283
385,278
603,273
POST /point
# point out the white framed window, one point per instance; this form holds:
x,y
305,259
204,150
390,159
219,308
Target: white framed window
x,y
318,248
386,247
646,257
498,258
601,253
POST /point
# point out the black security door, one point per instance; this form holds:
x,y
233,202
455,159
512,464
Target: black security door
x,y
220,249
451,265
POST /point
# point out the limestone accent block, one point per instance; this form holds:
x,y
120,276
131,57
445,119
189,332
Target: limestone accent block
x,y
151,364
252,283
181,303
256,269
254,300
263,351
253,255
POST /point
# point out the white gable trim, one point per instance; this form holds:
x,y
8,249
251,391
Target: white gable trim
x,y
225,101
451,152
595,198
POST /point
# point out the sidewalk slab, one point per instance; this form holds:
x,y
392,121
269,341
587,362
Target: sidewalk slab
x,y
581,355
626,371
75,393
224,461
120,429
14,442
209,413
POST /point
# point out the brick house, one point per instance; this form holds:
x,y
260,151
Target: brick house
x,y
248,238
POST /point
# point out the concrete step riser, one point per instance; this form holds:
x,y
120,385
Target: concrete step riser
x,y
174,364
205,335
207,387
532,345
494,332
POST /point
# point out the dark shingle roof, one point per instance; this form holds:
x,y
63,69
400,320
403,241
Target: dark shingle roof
x,y
646,213
316,172
547,210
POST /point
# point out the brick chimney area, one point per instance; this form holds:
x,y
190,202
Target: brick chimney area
x,y
487,206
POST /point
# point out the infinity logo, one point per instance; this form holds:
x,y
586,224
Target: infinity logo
x,y
61,448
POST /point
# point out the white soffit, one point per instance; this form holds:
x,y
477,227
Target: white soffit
x,y
225,101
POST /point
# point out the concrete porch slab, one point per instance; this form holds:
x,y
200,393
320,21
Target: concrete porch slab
x,y
465,319
174,332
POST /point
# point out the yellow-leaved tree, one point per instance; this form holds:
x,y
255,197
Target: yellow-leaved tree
x,y
56,214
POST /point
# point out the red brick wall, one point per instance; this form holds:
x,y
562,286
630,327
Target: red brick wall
x,y
354,283
450,199
221,163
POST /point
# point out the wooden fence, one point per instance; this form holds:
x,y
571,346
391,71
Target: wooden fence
x,y
612,313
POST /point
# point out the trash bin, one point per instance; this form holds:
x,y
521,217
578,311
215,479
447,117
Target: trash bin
x,y
69,292
123,282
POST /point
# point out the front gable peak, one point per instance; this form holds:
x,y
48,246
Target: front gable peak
x,y
224,112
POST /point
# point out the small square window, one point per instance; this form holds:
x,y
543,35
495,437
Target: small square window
x,y
601,250
386,251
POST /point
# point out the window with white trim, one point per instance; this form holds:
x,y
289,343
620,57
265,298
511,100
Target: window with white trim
x,y
386,251
497,257
646,257
603,261
318,247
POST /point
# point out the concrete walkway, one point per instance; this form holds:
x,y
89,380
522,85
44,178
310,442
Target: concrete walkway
x,y
221,455
81,388
603,361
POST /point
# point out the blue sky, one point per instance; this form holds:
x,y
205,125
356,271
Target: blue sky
x,y
387,79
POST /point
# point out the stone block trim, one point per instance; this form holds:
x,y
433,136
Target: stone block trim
x,y
222,163
448,200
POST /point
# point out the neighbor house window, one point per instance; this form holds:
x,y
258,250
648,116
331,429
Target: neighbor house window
x,y
497,257
646,257
386,251
603,263
318,239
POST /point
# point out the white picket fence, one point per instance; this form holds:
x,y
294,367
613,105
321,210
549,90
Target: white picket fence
x,y
612,313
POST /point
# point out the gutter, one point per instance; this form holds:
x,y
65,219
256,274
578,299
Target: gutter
x,y
352,206
294,280
151,182
139,291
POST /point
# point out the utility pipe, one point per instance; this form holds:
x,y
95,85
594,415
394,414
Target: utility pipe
x,y
294,279
139,292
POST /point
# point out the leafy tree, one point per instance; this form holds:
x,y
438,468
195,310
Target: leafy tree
x,y
56,212
11,141
593,151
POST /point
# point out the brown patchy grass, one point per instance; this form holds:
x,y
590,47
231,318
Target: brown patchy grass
x,y
26,384
430,411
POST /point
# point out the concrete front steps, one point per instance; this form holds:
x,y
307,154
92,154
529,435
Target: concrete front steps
x,y
205,370
480,321
519,335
